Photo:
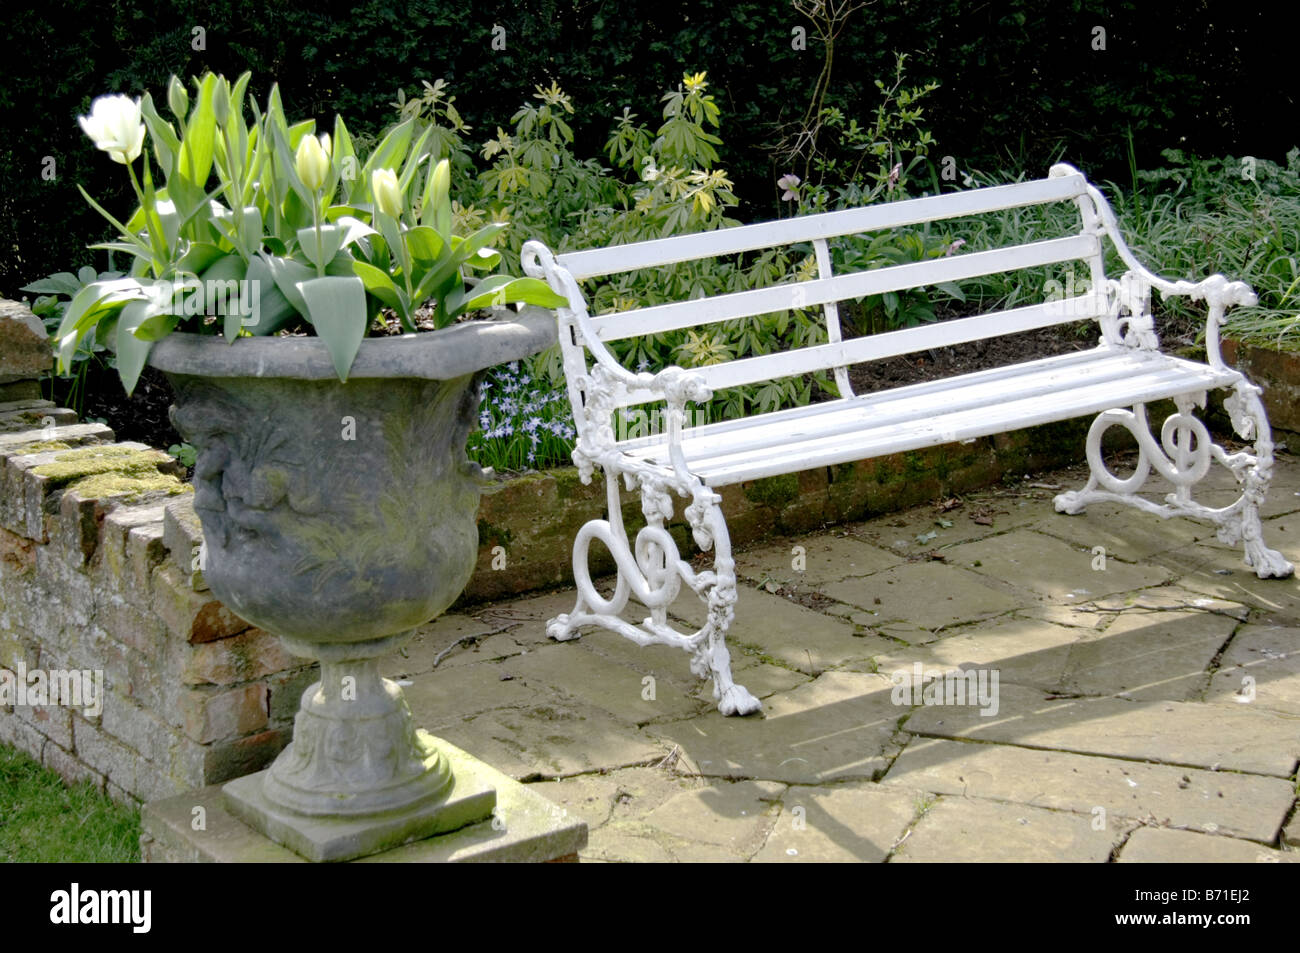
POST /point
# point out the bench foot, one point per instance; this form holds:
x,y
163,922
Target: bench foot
x,y
1183,455
651,569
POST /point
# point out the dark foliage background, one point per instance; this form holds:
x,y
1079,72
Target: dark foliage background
x,y
1021,83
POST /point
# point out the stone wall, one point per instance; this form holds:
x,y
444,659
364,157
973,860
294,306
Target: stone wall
x,y
98,557
97,546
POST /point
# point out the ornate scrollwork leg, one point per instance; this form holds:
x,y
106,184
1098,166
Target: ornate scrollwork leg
x,y
1182,456
652,569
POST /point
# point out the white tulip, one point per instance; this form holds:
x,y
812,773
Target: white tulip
x,y
387,192
115,126
312,161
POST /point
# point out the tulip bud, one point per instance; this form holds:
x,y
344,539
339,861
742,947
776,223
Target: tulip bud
x,y
220,101
387,192
177,98
115,126
311,163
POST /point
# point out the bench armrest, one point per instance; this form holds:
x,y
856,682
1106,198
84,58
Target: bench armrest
x,y
1216,291
609,380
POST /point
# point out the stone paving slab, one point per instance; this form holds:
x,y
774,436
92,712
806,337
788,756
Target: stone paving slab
x,y
597,681
1220,574
1052,569
1150,845
1177,733
845,823
1149,655
550,740
957,830
1024,651
1241,805
841,725
825,558
1261,669
792,635
917,600
1127,536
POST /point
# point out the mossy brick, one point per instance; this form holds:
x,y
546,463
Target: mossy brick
x,y
134,627
17,733
138,728
250,655
224,714
120,764
17,554
53,721
67,766
21,416
131,473
183,539
189,615
113,567
234,759
285,692
17,645
60,437
20,390
25,351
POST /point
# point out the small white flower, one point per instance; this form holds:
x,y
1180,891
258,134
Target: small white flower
x,y
387,192
115,126
312,161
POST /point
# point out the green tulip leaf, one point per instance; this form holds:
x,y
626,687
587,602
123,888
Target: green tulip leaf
x,y
338,313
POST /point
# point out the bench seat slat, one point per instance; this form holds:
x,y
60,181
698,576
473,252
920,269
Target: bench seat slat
x,y
807,294
907,419
728,241
873,347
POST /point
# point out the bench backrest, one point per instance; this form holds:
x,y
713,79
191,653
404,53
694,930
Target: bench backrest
x,y
1064,184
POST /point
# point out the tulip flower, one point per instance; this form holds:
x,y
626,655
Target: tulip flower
x,y
115,126
312,161
388,194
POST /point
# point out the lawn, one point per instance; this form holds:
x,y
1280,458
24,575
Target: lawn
x,y
43,819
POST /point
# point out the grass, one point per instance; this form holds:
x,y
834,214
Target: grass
x,y
44,820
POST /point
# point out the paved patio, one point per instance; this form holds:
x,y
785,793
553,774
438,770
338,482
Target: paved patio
x,y
1145,711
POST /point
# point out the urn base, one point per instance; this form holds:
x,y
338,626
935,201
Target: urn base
x,y
467,799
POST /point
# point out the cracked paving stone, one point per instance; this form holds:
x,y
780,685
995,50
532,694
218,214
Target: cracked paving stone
x,y
1152,845
1240,804
1148,655
735,815
847,823
840,725
919,598
557,739
827,559
1023,651
1053,570
1168,732
1260,669
959,830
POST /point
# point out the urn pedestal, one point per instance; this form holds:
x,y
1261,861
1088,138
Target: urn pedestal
x,y
340,516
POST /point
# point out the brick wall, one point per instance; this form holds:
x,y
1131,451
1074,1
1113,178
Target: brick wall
x,y
97,547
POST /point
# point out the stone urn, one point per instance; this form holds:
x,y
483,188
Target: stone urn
x,y
340,516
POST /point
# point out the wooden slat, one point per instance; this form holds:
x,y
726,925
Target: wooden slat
x,y
666,251
807,294
873,347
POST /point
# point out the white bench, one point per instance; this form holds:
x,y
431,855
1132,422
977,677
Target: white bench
x,y
1125,370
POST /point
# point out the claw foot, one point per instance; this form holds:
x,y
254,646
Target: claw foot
x,y
1071,502
737,700
1267,563
560,630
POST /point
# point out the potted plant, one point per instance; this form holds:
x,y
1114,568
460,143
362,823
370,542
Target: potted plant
x,y
337,502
